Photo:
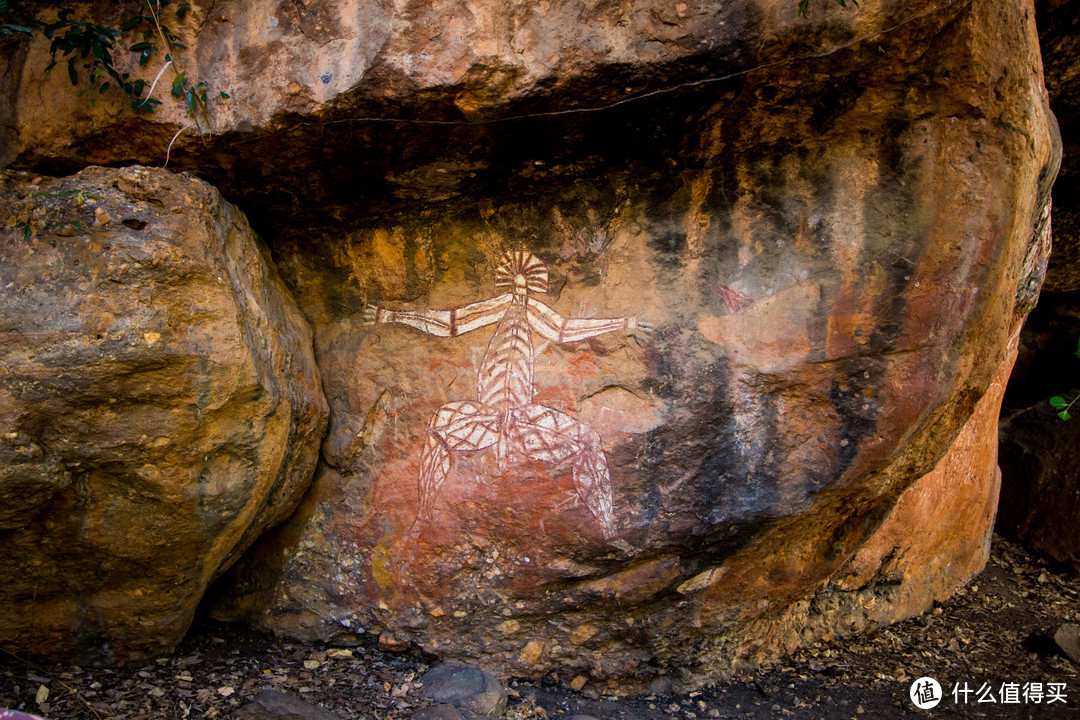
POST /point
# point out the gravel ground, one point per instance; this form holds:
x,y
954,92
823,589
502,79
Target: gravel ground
x,y
994,638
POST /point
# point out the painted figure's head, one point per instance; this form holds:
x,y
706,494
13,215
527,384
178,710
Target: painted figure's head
x,y
520,271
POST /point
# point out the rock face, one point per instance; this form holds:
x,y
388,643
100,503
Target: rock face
x,y
654,337
803,302
376,107
159,401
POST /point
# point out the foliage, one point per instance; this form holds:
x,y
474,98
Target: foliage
x,y
90,44
1059,403
85,46
804,6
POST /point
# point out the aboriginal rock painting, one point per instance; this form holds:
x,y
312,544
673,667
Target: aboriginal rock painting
x,y
503,415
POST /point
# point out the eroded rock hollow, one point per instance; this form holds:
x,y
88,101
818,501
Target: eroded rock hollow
x,y
656,339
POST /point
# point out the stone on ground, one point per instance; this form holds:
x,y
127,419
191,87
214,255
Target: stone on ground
x,y
1067,638
277,705
465,687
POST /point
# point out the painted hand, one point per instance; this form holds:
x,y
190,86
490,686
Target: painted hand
x,y
370,315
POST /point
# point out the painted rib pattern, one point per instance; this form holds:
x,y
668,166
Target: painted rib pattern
x,y
506,373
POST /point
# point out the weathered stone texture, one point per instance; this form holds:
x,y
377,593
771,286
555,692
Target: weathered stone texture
x,y
816,238
159,400
834,256
339,110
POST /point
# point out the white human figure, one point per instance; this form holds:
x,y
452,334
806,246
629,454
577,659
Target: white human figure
x,y
504,414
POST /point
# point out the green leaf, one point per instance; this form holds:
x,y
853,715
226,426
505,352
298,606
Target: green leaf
x,y
223,94
1064,415
179,46
131,23
182,10
1057,402
144,57
144,104
141,46
1078,348
104,88
72,75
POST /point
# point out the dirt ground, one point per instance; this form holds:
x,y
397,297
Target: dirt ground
x,y
993,638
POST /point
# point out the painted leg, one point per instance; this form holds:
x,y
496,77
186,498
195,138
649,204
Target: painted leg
x,y
555,437
458,426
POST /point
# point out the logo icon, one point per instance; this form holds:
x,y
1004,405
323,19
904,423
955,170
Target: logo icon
x,y
925,693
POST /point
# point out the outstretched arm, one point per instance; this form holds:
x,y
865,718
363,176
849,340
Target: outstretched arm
x,y
558,329
443,323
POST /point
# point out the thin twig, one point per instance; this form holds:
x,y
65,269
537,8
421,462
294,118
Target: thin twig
x,y
169,47
168,150
153,85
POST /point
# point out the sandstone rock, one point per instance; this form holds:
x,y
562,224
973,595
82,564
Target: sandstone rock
x,y
465,687
159,401
1040,481
276,705
812,271
1067,637
374,107
889,577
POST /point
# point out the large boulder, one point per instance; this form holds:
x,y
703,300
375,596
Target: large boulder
x,y
814,264
159,401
